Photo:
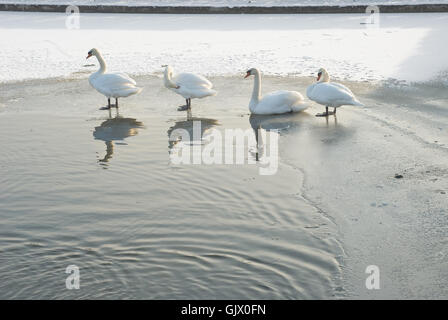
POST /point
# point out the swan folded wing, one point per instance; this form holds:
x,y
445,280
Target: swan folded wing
x,y
116,85
341,86
195,92
280,102
117,79
331,95
203,92
283,97
192,80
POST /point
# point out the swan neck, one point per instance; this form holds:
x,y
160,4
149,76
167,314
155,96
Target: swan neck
x,y
102,63
325,77
257,88
167,79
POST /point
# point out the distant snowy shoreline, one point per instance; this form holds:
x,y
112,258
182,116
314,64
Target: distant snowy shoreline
x,y
37,45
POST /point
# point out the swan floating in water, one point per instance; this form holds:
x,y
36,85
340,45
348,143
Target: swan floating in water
x,y
112,85
330,94
275,102
188,85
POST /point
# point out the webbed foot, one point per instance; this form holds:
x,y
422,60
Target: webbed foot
x,y
183,108
325,114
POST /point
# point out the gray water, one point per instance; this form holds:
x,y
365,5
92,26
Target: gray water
x,y
80,186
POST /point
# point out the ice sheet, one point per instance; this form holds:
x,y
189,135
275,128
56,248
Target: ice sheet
x,y
403,46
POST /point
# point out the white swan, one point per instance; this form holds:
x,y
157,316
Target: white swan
x,y
330,94
112,85
273,103
188,85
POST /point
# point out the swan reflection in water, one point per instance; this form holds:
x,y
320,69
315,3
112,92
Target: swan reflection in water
x,y
328,133
115,129
183,131
280,123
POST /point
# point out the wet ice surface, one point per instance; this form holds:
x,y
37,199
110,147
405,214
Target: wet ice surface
x,y
79,188
398,225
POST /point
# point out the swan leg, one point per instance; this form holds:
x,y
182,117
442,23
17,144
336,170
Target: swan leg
x,y
323,114
326,113
189,103
108,105
334,111
185,107
116,103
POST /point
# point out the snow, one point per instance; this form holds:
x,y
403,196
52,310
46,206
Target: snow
x,y
404,46
225,3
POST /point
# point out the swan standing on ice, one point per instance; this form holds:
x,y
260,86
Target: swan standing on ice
x,y
330,94
273,103
188,85
112,85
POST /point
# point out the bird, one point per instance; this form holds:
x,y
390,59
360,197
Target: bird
x,y
112,85
330,94
188,85
277,102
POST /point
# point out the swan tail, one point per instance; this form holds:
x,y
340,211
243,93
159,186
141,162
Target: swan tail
x,y
357,103
205,93
298,107
130,91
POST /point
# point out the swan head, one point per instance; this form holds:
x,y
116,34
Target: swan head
x,y
322,75
251,72
168,75
92,52
168,70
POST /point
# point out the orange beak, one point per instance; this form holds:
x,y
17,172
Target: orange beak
x,y
247,75
88,56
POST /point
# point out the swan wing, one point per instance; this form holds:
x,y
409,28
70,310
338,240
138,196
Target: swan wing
x,y
195,92
193,86
280,102
192,80
116,79
125,77
331,95
341,86
115,84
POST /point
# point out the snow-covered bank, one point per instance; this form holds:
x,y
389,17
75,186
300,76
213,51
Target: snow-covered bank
x,y
405,46
228,3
